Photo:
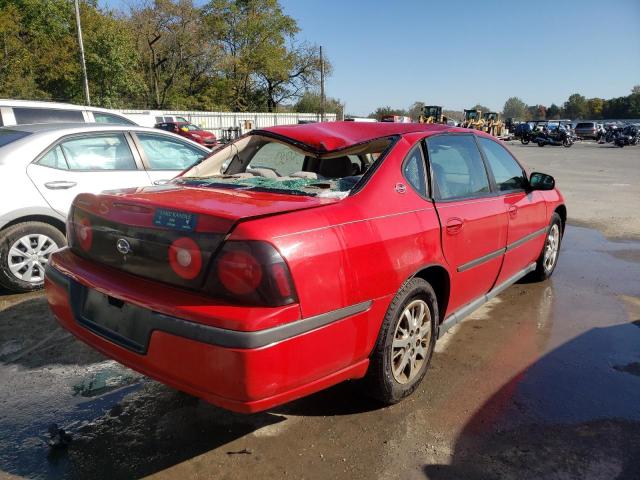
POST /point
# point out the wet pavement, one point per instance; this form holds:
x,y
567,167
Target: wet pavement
x,y
542,382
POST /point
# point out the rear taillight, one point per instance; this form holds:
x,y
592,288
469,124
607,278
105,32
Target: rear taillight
x,y
252,272
84,232
239,272
185,258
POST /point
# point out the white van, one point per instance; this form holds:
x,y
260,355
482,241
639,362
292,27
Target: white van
x,y
22,112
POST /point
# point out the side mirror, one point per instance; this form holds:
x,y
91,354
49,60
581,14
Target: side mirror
x,y
541,181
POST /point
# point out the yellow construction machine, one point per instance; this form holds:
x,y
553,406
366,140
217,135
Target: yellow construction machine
x,y
473,119
493,125
432,114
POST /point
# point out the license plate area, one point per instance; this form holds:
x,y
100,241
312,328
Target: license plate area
x,y
119,322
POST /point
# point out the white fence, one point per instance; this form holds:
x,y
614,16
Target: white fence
x,y
217,121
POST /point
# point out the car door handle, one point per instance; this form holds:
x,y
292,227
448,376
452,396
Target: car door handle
x,y
60,185
454,225
513,211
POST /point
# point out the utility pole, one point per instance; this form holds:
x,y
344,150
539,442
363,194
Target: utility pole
x,y
321,86
81,45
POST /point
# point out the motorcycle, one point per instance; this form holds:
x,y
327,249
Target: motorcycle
x,y
628,135
558,137
526,133
611,131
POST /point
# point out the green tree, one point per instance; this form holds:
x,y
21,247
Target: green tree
x,y
262,64
172,50
415,110
285,78
309,102
576,106
553,112
382,111
480,107
594,107
514,107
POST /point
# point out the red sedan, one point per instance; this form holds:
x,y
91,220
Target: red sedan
x,y
302,256
190,131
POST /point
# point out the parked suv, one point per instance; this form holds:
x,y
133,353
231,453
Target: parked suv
x,y
22,112
44,166
587,130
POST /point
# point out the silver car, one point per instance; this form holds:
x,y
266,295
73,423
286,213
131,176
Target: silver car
x,y
44,166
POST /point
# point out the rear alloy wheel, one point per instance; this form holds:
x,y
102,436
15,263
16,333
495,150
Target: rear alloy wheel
x,y
411,341
405,344
25,249
548,259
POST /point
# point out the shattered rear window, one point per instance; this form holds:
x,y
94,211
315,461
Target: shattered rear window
x,y
262,163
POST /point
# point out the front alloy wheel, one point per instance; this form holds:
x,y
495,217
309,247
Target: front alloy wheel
x,y
551,248
548,258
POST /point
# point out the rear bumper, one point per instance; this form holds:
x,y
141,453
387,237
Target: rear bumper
x,y
237,370
586,133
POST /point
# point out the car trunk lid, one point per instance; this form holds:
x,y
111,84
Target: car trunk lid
x,y
140,230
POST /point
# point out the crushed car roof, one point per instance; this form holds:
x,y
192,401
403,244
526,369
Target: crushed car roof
x,y
330,136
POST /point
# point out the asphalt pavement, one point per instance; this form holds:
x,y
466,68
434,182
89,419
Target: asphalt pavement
x,y
542,382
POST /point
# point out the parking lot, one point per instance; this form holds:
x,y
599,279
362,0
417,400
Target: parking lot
x,y
542,382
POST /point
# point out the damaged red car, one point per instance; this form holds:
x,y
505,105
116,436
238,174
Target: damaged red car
x,y
298,257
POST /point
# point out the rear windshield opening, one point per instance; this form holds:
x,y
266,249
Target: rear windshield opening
x,y
264,163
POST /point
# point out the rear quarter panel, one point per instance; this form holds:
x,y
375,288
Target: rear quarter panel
x,y
362,248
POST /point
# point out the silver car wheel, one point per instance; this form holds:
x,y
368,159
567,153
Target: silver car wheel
x,y
551,248
411,341
28,256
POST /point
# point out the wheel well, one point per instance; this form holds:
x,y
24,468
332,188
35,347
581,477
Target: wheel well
x,y
562,211
438,278
54,222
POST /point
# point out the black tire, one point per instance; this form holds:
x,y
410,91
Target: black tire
x,y
543,270
380,381
524,142
541,144
9,237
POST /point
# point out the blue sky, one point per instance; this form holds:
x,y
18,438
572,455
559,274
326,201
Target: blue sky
x,y
459,53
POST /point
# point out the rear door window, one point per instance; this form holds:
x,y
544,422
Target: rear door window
x,y
46,115
100,152
457,167
54,159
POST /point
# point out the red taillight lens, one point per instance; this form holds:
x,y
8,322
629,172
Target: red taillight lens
x,y
239,272
252,272
185,258
84,233
281,277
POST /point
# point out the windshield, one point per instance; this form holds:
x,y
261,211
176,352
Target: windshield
x,y
190,127
9,136
263,163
